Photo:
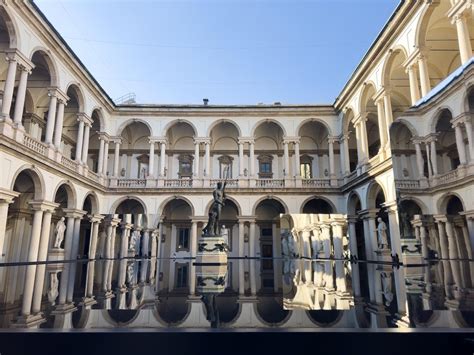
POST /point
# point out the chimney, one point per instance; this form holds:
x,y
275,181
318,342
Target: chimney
x,y
205,101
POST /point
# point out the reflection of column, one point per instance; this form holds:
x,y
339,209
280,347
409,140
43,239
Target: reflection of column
x,y
20,95
32,257
117,157
241,158
42,257
424,75
448,279
162,158
460,143
80,138
286,158
192,274
50,122
252,158
453,254
196,158
58,129
241,255
337,234
67,256
353,248
151,161
464,41
414,85
253,282
95,221
9,85
74,255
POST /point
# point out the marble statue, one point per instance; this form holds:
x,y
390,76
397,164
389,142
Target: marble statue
x,y
53,288
212,227
387,287
382,234
59,233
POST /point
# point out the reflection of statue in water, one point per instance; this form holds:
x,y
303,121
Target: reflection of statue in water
x,y
59,233
212,227
133,240
212,313
130,269
53,288
387,287
382,234
405,224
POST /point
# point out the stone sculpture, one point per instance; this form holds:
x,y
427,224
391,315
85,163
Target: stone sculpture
x,y
53,288
387,287
382,234
133,240
59,233
212,227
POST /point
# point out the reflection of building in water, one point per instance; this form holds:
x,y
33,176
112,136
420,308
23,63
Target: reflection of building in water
x,y
397,142
309,283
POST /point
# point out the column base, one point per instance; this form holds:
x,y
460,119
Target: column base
x,y
64,308
88,302
151,182
113,181
29,321
6,127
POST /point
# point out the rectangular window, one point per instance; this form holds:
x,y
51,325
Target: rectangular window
x,y
181,275
265,168
305,170
182,239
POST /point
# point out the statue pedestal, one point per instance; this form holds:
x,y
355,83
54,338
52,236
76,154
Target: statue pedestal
x,y
211,265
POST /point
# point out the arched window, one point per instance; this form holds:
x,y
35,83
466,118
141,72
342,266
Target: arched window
x,y
306,169
225,166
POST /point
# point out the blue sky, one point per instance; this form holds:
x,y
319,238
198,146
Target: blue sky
x,y
230,51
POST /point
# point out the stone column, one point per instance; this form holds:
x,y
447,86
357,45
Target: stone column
x,y
453,254
470,139
252,159
32,257
196,158
434,158
9,86
51,120
414,85
117,142
332,172
241,158
193,249
100,161
337,234
151,167
74,255
360,153
253,282
460,143
363,139
286,158
20,95
387,103
444,249
95,221
353,248
70,215
428,157
208,158
241,255
42,257
419,160
162,158
85,143
424,75
297,158
345,161
381,114
6,197
106,158
126,228
80,138
58,129
464,41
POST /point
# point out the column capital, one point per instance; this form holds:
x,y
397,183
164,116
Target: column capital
x,y
82,117
42,205
198,219
468,214
74,213
15,55
333,139
114,222
291,139
381,93
361,118
7,196
460,10
432,137
243,140
352,219
390,206
153,140
440,218
368,213
418,221
417,140
460,119
202,140
161,140
116,139
104,137
95,218
54,91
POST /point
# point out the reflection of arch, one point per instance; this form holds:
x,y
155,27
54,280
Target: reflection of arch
x,y
172,198
120,317
223,120
270,312
264,198
118,202
319,198
70,191
325,318
37,178
267,120
52,67
315,120
132,121
94,201
170,125
229,308
173,310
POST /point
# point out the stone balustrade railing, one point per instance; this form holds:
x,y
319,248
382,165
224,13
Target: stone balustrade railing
x,y
270,183
69,163
316,183
445,178
34,144
407,184
131,183
178,183
232,183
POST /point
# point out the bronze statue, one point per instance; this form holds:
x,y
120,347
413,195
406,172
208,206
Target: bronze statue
x,y
212,227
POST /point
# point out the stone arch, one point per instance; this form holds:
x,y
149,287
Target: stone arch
x,y
119,201
350,201
444,200
317,120
468,99
267,120
406,123
70,191
97,112
76,87
170,124
366,95
50,62
36,177
94,201
373,190
223,120
424,209
230,198
172,198
389,61
269,197
438,115
325,200
11,27
132,121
